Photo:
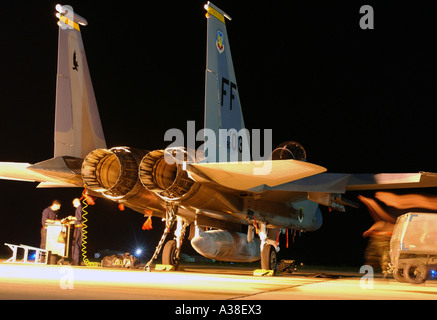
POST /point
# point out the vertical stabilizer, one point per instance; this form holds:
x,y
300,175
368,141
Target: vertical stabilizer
x,y
223,113
78,129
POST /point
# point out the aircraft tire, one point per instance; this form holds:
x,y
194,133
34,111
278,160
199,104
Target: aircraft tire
x,y
399,275
416,272
169,254
269,259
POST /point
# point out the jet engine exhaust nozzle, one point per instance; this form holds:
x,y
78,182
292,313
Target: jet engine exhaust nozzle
x,y
113,172
167,179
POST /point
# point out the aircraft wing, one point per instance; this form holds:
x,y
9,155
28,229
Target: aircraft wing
x,y
392,181
250,174
342,182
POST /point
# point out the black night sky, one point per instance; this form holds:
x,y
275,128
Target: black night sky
x,y
358,100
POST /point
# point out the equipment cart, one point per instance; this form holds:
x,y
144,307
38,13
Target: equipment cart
x,y
413,247
58,240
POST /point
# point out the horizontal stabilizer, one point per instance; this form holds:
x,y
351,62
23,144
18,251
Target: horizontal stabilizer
x,y
56,172
19,171
56,185
249,174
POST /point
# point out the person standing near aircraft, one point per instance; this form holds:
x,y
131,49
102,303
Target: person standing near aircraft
x,y
379,234
77,235
50,215
378,248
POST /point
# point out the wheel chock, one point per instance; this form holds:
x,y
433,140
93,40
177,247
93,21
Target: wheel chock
x,y
164,267
263,273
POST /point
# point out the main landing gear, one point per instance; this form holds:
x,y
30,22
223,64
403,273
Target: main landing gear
x,y
269,259
269,245
172,249
269,249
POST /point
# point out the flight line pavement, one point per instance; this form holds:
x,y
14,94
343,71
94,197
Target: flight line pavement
x,y
197,282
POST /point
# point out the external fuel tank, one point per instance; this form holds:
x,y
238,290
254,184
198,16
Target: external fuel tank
x,y
225,245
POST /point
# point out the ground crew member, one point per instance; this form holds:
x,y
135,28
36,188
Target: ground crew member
x,y
50,215
378,248
77,235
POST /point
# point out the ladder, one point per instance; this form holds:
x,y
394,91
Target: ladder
x,y
39,254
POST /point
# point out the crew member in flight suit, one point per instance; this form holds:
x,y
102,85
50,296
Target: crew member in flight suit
x,y
77,235
50,214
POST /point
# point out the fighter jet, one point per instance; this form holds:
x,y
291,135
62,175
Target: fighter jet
x,y
218,190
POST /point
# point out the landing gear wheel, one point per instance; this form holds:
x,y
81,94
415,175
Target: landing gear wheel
x,y
169,254
416,272
269,259
399,275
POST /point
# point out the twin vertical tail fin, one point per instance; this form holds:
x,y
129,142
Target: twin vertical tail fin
x,y
78,129
223,114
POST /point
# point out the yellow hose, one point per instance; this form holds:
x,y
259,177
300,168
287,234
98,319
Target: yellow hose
x,y
84,232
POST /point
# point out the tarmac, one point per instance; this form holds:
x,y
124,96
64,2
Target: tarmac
x,y
199,282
